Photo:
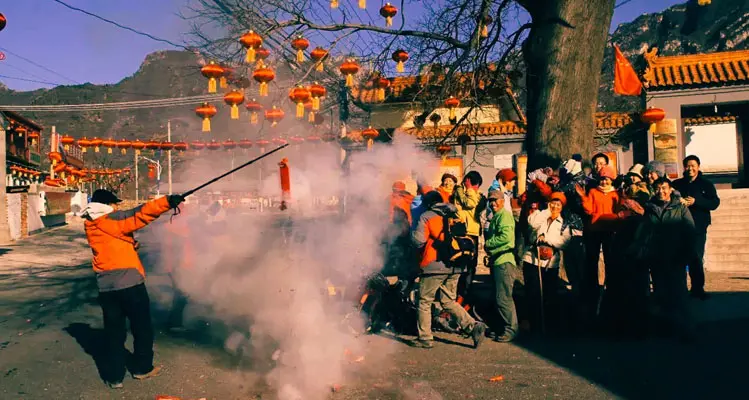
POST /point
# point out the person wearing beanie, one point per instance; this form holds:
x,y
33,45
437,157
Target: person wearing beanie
x,y
700,196
654,171
120,277
499,246
635,173
598,204
447,187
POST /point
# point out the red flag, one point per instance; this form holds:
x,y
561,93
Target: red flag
x,y
626,82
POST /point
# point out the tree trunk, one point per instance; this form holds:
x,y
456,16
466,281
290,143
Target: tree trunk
x,y
563,56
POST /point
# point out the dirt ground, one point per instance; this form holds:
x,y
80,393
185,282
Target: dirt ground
x,y
50,335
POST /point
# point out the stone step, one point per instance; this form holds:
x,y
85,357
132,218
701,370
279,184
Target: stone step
x,y
730,219
726,266
728,240
728,234
720,249
728,226
735,257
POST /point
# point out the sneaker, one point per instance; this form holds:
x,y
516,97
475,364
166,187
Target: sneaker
x,y
156,371
423,343
115,385
477,334
504,338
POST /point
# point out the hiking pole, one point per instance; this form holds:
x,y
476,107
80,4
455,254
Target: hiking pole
x,y
189,192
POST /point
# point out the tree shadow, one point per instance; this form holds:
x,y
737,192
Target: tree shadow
x,y
5,251
93,342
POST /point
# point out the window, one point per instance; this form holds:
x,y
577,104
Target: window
x,y
716,146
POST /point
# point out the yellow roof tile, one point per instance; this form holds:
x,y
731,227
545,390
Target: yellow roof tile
x,y
696,70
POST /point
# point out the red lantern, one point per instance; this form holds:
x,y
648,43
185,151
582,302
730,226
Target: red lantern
x,y
60,167
180,146
317,92
95,143
67,141
33,135
452,103
319,55
251,41
55,157
274,115
263,143
151,171
653,115
138,145
3,21
166,146
313,138
153,145
253,107
234,99
349,68
109,144
388,11
278,141
123,145
226,76
206,111
84,144
197,145
370,134
229,144
212,71
400,57
381,84
443,149
245,144
263,75
296,139
213,145
308,107
262,53
300,44
299,95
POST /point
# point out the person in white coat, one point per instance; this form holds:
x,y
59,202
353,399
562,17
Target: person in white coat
x,y
548,236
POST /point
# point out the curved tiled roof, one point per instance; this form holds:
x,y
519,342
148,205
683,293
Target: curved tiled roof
x,y
696,70
709,120
486,129
612,120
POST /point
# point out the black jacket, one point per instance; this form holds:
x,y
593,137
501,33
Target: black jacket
x,y
665,234
705,199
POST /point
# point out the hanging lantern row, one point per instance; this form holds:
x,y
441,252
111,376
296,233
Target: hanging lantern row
x,y
111,145
24,172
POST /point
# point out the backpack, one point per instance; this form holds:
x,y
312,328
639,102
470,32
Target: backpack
x,y
458,249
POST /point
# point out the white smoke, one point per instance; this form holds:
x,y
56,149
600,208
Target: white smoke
x,y
270,269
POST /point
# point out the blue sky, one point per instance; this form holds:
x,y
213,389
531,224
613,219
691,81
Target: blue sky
x,y
82,49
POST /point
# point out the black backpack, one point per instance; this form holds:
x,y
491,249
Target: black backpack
x,y
458,249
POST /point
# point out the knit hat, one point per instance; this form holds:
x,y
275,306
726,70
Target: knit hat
x,y
607,172
657,167
559,196
496,195
506,175
577,157
636,170
399,186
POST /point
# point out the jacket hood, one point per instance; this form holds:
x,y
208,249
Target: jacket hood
x,y
94,211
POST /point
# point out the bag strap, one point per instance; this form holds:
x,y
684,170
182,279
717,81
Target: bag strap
x,y
446,228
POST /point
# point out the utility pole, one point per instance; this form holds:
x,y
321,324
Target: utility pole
x,y
169,154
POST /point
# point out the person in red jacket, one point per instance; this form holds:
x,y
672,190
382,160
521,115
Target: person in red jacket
x,y
598,234
121,280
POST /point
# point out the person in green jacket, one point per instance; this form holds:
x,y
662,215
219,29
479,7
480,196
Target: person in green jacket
x,y
500,246
470,204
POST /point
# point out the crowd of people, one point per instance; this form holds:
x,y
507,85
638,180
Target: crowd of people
x,y
648,228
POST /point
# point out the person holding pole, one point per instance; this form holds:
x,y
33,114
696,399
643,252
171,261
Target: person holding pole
x,y
548,236
121,280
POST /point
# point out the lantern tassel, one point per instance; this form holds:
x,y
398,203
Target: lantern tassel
x,y
389,21
315,103
67,147
452,112
206,124
212,85
362,4
234,111
137,152
250,55
311,116
400,67
299,110
333,3
263,88
222,83
319,67
349,80
83,149
370,144
381,94
123,151
96,149
253,118
109,151
300,55
484,31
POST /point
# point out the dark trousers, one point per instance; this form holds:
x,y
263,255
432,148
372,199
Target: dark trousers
x,y
591,289
671,295
503,276
696,266
464,284
624,307
542,306
131,303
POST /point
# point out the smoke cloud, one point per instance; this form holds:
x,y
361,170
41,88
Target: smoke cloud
x,y
270,270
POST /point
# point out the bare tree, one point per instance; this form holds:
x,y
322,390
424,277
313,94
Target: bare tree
x,y
466,48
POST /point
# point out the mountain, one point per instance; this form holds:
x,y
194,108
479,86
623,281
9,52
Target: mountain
x,y
681,29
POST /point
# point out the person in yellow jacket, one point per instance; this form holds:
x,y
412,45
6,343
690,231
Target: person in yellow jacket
x,y
471,204
121,280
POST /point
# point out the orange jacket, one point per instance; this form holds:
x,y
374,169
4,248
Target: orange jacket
x,y
428,234
445,194
403,201
111,236
600,207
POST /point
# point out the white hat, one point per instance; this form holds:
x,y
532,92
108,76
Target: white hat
x,y
636,170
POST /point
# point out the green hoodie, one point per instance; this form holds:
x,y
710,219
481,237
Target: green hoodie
x,y
500,238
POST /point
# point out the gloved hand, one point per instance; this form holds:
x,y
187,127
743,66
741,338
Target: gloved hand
x,y
175,200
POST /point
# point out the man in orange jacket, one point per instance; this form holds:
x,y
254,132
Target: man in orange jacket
x,y
121,280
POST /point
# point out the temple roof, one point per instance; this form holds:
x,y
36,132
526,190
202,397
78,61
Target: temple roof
x,y
696,70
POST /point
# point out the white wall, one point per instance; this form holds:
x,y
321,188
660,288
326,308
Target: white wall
x,y
14,215
715,145
35,210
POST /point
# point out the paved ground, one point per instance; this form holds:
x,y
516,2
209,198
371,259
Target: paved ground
x,y
50,328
